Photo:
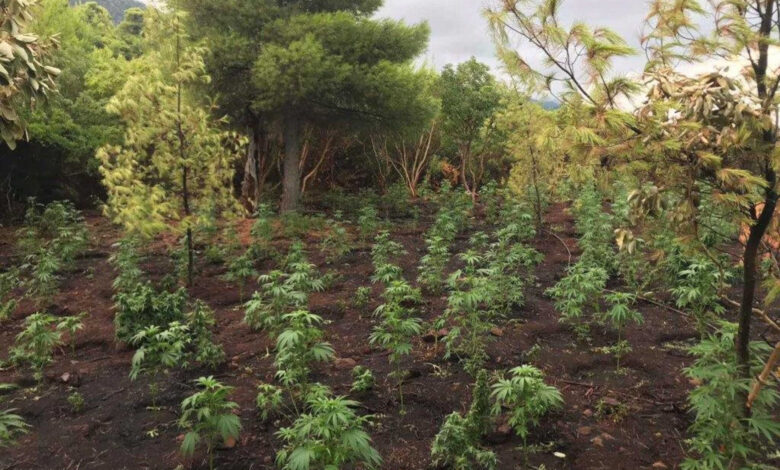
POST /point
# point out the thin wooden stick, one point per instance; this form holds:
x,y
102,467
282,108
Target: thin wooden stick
x,y
762,378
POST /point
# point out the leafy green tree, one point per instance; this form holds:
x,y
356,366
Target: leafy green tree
x,y
301,64
176,164
25,73
469,98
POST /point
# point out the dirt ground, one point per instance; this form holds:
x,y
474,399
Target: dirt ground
x,y
631,420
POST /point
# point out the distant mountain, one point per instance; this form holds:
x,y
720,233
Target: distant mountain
x,y
550,105
115,7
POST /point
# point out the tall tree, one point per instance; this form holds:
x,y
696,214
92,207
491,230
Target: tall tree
x,y
296,64
25,74
469,99
175,164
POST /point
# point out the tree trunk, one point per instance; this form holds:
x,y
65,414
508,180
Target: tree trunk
x,y
251,186
291,178
535,183
749,277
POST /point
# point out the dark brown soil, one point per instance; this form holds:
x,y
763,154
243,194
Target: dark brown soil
x,y
611,420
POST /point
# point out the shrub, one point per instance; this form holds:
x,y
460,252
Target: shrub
x,y
208,417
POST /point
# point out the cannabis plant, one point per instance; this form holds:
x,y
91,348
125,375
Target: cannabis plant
x,y
200,321
577,293
299,346
126,260
721,434
11,426
208,417
336,243
328,435
526,398
618,316
468,317
397,327
143,306
9,280
362,379
41,335
362,297
368,222
276,297
239,270
434,262
269,400
160,349
457,444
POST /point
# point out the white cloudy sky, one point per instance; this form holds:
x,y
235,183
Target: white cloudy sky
x,y
459,31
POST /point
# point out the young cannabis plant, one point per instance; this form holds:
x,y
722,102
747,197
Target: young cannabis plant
x,y
469,319
162,348
434,262
126,260
362,379
11,426
42,333
526,397
328,435
239,270
269,401
368,222
698,289
362,297
336,243
619,315
721,434
299,346
397,327
143,306
579,291
9,280
208,417
457,445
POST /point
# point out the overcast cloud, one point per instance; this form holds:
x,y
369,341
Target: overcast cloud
x,y
459,30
